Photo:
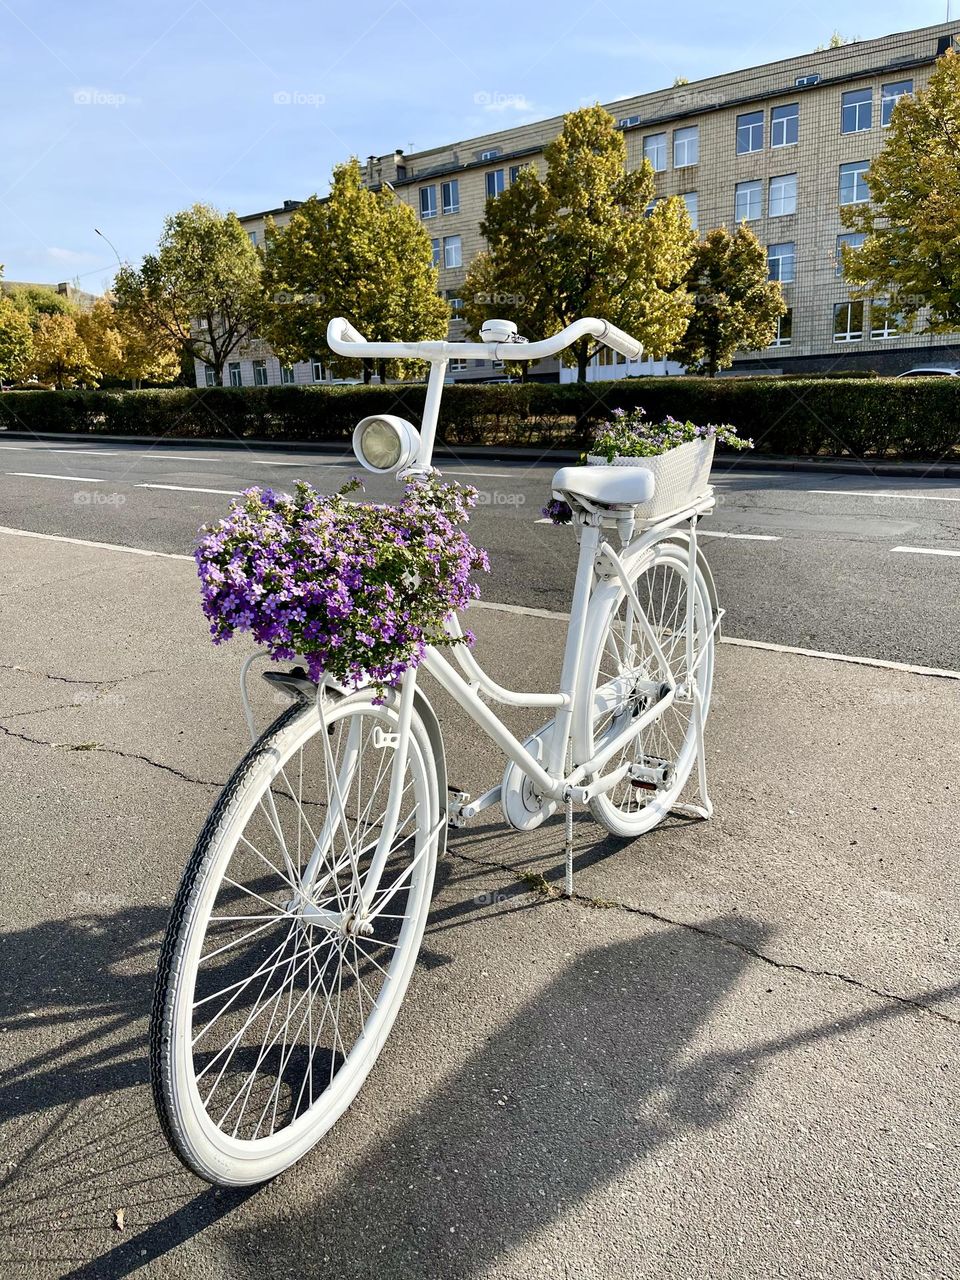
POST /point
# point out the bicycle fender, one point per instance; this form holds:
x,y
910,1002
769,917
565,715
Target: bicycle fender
x,y
424,709
683,539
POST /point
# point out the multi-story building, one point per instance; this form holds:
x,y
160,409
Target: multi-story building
x,y
783,146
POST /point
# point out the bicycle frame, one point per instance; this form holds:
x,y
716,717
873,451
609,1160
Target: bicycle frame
x,y
550,779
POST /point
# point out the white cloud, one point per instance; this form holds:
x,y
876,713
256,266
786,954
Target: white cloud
x,y
70,257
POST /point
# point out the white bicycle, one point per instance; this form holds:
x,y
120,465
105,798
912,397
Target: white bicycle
x,y
298,921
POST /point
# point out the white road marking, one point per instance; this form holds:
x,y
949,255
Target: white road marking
x,y
177,457
101,453
268,462
882,663
100,546
713,533
927,551
42,475
499,475
885,663
863,493
184,488
747,537
519,608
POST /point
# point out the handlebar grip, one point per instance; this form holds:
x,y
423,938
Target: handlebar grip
x,y
340,330
622,342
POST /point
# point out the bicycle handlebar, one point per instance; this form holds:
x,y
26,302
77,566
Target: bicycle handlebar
x,y
345,340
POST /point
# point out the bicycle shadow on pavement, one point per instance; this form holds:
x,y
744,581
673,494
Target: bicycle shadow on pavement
x,y
582,1083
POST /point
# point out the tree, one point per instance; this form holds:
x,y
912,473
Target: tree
x,y
736,307
836,41
124,348
59,354
507,284
16,339
38,300
202,288
584,241
359,253
912,224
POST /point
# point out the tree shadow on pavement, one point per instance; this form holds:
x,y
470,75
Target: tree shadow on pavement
x,y
591,1077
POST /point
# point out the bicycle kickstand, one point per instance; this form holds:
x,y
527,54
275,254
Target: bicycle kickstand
x,y
568,848
705,808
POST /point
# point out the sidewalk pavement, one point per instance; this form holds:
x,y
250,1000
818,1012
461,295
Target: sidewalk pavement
x,y
733,1054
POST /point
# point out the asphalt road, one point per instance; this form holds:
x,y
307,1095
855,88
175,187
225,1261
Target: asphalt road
x,y
732,1056
807,559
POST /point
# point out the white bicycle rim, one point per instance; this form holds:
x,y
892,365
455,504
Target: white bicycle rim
x,y
328,998
616,652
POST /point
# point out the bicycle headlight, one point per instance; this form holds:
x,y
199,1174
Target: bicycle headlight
x,y
385,442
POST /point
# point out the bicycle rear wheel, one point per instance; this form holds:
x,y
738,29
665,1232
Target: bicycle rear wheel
x,y
621,678
271,1003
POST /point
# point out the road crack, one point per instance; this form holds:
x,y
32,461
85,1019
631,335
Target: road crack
x,y
538,884
48,675
111,751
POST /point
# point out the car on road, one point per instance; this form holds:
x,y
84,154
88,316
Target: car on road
x,y
931,371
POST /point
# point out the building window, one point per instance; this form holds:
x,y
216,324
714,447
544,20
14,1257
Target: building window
x,y
435,245
515,170
848,322
209,375
852,240
856,110
885,320
686,146
783,195
853,182
689,198
889,97
287,377
749,132
784,331
236,378
259,373
781,260
491,154
253,237
428,202
455,302
627,122
452,252
655,150
747,201
458,366
785,125
319,372
494,183
450,195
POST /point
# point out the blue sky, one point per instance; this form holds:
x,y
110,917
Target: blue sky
x,y
114,114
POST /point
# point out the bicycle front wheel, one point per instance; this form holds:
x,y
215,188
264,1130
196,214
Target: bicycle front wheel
x,y
275,992
621,678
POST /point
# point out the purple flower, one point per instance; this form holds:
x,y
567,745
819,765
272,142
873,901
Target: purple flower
x,y
355,589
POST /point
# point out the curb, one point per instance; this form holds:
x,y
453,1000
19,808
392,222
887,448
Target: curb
x,y
493,453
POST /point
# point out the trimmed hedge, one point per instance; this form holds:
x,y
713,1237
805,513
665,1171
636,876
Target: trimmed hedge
x,y
868,416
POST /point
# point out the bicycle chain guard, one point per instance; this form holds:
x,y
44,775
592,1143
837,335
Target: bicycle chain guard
x,y
523,807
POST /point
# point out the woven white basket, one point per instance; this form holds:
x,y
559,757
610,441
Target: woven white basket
x,y
681,475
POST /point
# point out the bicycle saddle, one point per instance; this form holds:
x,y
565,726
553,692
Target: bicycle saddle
x,y
608,486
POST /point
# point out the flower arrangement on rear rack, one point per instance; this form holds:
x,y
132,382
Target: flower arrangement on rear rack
x,y
631,439
356,589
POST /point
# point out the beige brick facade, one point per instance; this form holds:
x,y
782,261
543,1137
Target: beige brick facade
x,y
712,107
815,83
